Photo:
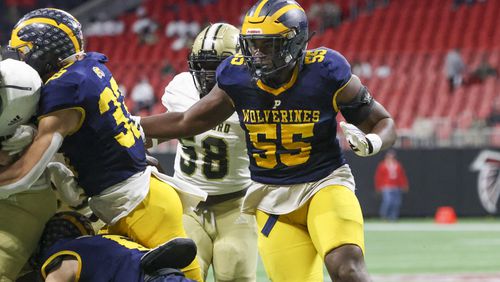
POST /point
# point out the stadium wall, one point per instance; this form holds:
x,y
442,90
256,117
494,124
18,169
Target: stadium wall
x,y
438,177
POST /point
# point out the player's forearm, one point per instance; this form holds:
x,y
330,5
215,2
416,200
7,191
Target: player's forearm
x,y
166,126
386,130
25,171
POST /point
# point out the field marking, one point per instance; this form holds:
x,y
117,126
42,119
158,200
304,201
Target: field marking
x,y
433,227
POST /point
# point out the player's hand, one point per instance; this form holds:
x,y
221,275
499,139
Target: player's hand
x,y
137,123
362,144
65,183
23,136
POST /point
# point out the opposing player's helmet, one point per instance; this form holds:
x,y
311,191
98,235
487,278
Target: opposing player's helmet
x,y
47,39
20,88
273,36
212,45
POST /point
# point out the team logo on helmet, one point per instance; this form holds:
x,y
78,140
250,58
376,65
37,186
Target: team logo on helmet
x,y
488,181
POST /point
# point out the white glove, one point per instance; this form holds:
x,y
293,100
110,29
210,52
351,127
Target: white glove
x,y
362,144
23,136
137,122
64,181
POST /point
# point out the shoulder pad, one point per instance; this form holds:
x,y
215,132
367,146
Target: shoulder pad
x,y
231,71
332,64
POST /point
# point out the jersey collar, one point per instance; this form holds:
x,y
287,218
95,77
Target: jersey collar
x,y
281,89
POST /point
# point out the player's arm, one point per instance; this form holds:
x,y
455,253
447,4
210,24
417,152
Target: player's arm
x,y
369,126
211,110
66,272
27,169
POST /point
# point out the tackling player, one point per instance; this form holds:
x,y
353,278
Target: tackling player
x,y
24,209
82,114
216,162
69,251
287,99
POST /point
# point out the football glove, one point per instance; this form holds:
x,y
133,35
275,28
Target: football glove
x,y
23,136
362,144
65,183
137,123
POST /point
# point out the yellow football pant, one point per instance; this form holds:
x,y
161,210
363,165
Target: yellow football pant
x,y
157,219
22,219
298,242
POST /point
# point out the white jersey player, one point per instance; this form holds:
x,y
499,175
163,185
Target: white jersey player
x,y
215,161
23,209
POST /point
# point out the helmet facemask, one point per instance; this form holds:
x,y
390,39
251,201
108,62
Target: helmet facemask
x,y
202,67
211,46
267,55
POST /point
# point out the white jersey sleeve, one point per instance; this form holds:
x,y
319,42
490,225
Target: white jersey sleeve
x,y
215,161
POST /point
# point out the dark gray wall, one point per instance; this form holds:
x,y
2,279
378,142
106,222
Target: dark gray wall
x,y
438,177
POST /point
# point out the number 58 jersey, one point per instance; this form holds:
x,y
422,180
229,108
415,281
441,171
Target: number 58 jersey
x,y
216,161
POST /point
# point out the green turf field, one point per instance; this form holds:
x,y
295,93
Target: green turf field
x,y
420,250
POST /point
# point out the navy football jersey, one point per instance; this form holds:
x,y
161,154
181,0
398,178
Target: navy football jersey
x,y
107,147
102,258
291,131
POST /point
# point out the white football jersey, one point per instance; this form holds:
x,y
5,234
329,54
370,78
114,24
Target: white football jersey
x,y
215,161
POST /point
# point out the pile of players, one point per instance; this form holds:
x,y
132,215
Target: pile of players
x,y
287,189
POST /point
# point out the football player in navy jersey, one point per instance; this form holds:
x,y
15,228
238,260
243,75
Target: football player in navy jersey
x,y
69,251
82,114
287,99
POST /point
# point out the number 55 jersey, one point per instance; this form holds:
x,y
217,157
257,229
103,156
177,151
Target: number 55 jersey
x,y
216,156
291,131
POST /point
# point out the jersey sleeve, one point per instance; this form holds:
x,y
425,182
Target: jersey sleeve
x,y
177,91
336,69
169,98
231,74
61,93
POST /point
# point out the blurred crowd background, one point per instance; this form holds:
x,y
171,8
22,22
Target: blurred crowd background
x,y
432,63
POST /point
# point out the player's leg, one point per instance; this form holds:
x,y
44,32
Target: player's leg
x,y
396,204
22,219
157,219
235,246
287,252
335,223
195,230
385,205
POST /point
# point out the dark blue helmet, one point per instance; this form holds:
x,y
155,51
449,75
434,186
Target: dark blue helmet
x,y
46,39
274,36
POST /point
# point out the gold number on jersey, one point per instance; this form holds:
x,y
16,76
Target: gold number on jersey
x,y
108,102
315,56
238,60
264,137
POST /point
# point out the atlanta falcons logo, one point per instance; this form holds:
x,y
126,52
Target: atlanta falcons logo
x,y
488,180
